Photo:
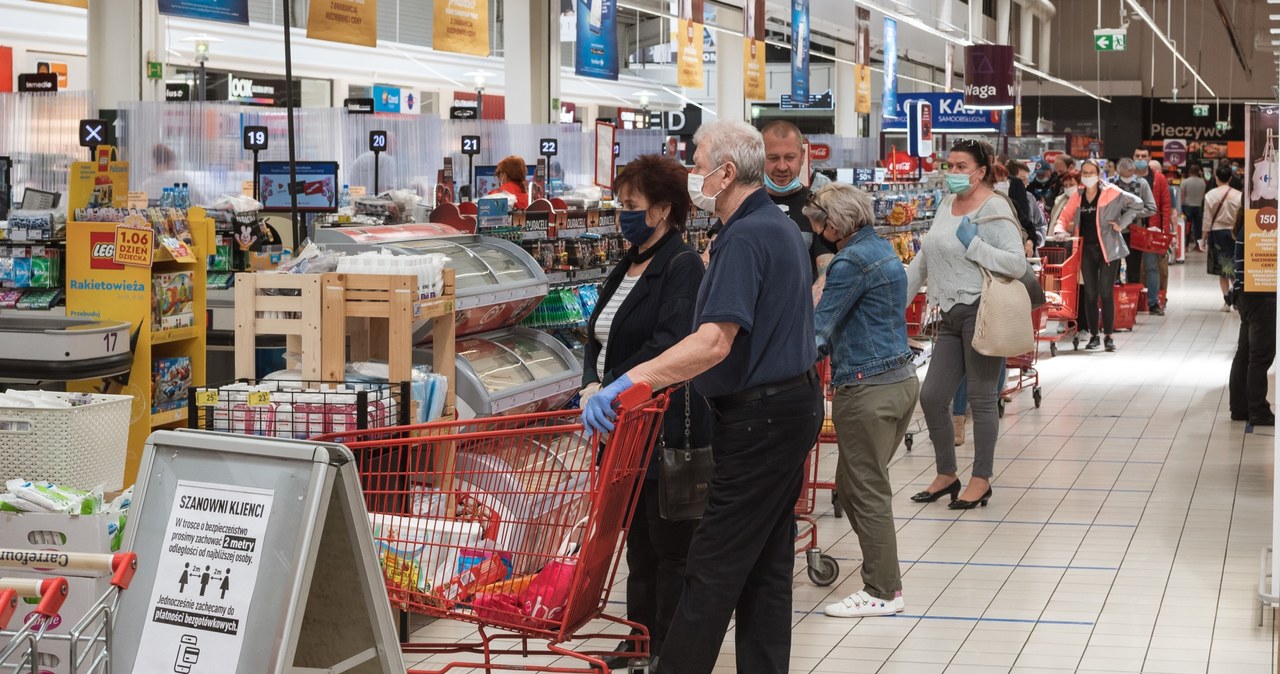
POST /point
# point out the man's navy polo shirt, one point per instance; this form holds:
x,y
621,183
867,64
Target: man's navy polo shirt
x,y
758,279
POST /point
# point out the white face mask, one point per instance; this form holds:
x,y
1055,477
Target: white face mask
x,y
1069,192
1089,181
1126,180
706,203
1003,186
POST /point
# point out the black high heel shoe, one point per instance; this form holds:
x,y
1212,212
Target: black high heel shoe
x,y
957,504
927,496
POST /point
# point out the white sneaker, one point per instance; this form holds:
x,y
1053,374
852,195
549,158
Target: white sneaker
x,y
863,605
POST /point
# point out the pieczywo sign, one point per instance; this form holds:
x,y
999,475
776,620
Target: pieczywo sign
x,y
134,246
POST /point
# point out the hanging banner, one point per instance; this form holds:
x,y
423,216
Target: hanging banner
x,y
1262,176
862,41
753,76
597,44
889,101
230,11
461,26
689,45
862,89
988,77
1017,109
799,50
951,68
350,21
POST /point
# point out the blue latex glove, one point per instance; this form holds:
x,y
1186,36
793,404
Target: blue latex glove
x,y
966,231
598,415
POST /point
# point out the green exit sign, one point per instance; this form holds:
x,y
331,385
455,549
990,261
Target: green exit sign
x,y
1223,126
155,70
1199,111
1109,39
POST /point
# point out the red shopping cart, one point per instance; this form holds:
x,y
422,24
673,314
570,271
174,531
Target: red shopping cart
x,y
89,639
1060,278
1023,367
513,524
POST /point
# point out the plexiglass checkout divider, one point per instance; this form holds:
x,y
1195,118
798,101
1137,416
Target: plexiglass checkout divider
x,y
203,140
38,132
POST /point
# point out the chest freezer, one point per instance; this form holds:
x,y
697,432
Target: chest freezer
x,y
511,371
498,283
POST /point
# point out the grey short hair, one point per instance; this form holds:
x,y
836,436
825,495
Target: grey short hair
x,y
844,207
738,143
1125,164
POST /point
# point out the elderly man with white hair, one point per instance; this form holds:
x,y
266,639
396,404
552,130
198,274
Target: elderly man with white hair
x,y
752,355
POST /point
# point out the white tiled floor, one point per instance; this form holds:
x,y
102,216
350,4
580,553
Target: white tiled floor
x,y
1123,535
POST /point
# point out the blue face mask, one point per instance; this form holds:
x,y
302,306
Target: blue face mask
x,y
634,228
782,189
1140,164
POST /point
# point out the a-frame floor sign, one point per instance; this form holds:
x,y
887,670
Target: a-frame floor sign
x,y
255,556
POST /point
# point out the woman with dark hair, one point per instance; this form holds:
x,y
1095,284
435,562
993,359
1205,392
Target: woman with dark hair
x,y
645,307
511,174
974,229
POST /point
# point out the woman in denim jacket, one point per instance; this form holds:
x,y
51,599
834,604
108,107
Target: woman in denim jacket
x,y
861,323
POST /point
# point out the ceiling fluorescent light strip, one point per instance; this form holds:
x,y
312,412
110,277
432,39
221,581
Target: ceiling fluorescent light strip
x,y
1137,8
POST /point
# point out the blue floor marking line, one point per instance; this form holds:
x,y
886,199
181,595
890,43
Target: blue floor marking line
x,y
1058,524
1067,567
1024,621
1101,489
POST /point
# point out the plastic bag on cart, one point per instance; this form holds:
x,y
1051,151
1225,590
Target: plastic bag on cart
x,y
539,597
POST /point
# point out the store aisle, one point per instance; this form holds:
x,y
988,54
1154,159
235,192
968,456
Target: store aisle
x,y
1123,535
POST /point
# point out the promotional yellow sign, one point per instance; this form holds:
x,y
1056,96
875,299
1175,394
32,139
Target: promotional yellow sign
x,y
461,26
689,39
1261,218
350,21
134,246
753,84
862,90
82,4
98,184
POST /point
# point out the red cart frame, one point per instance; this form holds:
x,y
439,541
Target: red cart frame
x,y
477,521
1061,274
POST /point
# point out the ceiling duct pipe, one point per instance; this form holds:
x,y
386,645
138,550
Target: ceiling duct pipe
x,y
1026,37
944,15
1044,11
1003,10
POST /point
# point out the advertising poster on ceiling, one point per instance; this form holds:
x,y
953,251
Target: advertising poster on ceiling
x,y
800,50
461,26
597,45
229,11
889,100
1205,138
1260,191
349,21
753,87
689,45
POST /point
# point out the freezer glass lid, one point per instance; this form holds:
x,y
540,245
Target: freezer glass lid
x,y
470,271
540,359
496,365
503,262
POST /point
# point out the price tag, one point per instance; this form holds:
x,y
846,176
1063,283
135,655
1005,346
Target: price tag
x,y
133,246
207,398
358,191
137,200
259,399
471,145
246,188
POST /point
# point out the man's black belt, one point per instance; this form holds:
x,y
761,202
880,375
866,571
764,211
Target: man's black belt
x,y
764,390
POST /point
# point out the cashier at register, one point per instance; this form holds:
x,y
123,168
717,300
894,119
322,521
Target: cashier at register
x,y
511,174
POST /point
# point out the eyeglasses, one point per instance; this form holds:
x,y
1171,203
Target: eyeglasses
x,y
812,201
973,147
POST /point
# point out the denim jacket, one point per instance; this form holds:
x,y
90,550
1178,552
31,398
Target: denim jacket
x,y
861,320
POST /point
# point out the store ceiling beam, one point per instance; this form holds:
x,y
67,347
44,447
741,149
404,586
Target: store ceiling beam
x,y
1235,38
1142,14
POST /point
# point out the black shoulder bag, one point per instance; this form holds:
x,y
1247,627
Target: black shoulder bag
x,y
684,474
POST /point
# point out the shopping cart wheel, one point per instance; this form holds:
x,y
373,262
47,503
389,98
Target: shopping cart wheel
x,y
1075,343
823,568
836,510
909,440
1035,395
1053,348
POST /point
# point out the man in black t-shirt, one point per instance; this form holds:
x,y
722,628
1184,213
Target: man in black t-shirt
x,y
783,168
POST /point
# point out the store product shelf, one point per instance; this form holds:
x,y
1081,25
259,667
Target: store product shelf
x,y
174,335
169,417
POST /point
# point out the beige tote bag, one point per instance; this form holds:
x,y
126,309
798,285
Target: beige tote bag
x,y
1003,326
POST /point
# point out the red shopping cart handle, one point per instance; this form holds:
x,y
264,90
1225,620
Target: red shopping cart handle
x,y
635,396
8,606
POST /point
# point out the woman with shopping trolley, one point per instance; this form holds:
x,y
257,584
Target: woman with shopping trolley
x,y
645,307
1098,213
975,229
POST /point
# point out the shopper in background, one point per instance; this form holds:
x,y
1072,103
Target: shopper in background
x,y
974,229
1098,213
1175,207
1140,262
1256,346
512,175
1061,164
1070,182
1018,176
861,324
165,173
1237,173
783,170
1222,203
752,354
1005,170
1128,180
1192,191
1046,181
646,307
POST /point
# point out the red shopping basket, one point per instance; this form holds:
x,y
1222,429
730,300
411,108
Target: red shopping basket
x,y
1150,240
513,523
1127,297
